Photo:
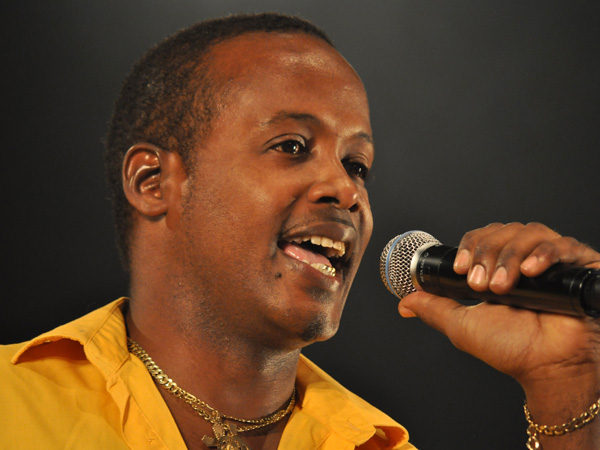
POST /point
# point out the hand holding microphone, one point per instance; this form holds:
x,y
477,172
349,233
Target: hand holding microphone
x,y
416,260
543,272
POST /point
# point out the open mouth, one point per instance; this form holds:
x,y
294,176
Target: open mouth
x,y
319,252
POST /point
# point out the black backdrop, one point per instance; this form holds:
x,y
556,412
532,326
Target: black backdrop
x,y
482,110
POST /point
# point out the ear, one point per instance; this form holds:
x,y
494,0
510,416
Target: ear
x,y
147,172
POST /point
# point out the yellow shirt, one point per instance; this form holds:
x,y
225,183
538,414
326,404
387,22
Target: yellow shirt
x,y
78,387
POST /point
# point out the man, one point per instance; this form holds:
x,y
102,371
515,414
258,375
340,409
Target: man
x,y
238,152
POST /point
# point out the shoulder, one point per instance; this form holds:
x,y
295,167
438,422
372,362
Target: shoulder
x,y
329,411
52,393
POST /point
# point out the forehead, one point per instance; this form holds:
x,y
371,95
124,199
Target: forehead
x,y
262,73
234,57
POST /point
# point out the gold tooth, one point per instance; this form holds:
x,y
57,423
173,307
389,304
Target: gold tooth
x,y
324,269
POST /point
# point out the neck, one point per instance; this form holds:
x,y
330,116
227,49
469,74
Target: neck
x,y
236,377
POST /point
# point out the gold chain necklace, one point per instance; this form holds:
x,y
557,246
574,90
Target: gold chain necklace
x,y
226,437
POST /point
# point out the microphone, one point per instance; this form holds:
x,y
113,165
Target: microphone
x,y
416,260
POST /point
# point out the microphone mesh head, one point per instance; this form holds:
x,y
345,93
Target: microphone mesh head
x,y
394,265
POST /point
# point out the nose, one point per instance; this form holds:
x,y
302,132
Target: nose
x,y
335,186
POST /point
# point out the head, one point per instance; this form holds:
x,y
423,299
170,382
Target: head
x,y
257,228
169,98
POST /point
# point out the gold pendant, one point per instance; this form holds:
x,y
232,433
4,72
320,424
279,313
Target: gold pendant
x,y
533,443
226,438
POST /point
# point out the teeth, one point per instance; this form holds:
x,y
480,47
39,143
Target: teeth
x,y
326,270
331,253
335,248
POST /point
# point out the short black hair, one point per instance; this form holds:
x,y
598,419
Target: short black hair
x,y
169,100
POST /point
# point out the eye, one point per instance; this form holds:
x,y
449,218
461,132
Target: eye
x,y
356,169
292,147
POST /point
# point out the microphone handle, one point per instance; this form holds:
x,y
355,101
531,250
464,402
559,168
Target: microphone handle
x,y
564,289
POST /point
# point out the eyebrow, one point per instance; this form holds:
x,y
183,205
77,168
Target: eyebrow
x,y
305,117
286,115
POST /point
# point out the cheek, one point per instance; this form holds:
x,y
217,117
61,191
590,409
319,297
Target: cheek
x,y
367,220
248,216
265,199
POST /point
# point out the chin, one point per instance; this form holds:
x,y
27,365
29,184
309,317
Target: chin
x,y
319,329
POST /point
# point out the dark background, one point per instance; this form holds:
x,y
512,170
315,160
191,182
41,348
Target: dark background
x,y
482,110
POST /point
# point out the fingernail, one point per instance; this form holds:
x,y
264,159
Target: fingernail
x,y
462,259
477,275
529,263
405,312
500,276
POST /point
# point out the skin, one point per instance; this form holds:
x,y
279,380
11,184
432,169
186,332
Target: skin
x,y
215,301
224,311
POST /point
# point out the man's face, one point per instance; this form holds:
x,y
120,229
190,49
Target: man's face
x,y
282,166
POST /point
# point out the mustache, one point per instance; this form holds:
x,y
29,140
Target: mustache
x,y
320,218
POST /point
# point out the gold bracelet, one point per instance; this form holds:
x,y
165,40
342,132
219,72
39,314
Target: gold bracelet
x,y
533,429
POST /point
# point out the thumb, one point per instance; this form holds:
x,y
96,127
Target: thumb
x,y
441,313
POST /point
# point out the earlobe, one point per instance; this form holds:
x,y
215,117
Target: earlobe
x,y
144,174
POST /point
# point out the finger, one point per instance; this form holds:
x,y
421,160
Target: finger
x,y
564,250
439,313
485,248
520,243
462,263
497,334
527,345
405,312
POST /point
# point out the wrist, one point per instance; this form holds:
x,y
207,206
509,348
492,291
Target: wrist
x,y
561,436
561,411
558,397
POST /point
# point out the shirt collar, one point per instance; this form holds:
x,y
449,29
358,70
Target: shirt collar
x,y
346,414
102,328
